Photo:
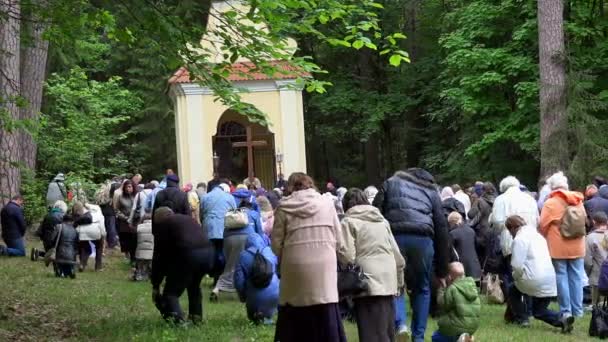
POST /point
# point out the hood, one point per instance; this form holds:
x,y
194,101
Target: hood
x,y
466,286
490,198
304,203
254,242
59,178
365,213
571,197
242,193
418,176
604,191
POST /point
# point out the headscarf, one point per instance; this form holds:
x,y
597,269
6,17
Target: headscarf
x,y
446,193
370,192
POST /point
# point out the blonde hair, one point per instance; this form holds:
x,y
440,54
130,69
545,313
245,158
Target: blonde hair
x,y
454,219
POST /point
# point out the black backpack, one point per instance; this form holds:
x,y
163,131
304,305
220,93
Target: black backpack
x,y
261,271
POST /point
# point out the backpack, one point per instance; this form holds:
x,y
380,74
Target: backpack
x,y
602,284
573,222
261,271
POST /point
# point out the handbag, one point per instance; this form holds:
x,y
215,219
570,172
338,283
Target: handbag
x,y
351,280
493,291
51,254
235,219
598,327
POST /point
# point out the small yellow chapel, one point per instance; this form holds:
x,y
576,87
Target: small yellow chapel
x,y
211,137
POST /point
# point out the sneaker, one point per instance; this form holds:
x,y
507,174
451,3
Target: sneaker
x,y
523,324
214,296
567,324
465,338
403,334
3,250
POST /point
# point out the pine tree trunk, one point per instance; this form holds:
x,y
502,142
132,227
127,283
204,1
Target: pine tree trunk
x,y
10,83
33,72
554,118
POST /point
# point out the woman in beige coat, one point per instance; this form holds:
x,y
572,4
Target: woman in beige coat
x,y
369,243
305,238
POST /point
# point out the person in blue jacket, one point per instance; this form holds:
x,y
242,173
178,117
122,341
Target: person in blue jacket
x,y
261,303
214,206
234,244
243,194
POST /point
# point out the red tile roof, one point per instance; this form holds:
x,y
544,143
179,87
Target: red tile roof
x,y
245,72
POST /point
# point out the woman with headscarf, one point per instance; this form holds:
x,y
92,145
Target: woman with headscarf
x,y
306,224
451,204
479,217
127,233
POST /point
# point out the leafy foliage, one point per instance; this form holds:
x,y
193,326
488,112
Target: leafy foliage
x,y
82,134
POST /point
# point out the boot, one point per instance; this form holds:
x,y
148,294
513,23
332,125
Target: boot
x,y
196,319
567,324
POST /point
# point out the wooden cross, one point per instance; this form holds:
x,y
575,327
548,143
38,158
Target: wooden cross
x,y
250,144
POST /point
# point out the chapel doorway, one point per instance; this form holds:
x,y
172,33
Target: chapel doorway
x,y
236,140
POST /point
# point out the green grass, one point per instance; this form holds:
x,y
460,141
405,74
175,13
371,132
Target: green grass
x,y
106,306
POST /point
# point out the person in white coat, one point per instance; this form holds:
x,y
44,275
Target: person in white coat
x,y
513,201
534,277
90,225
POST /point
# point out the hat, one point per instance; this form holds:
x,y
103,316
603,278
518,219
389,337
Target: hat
x,y
60,177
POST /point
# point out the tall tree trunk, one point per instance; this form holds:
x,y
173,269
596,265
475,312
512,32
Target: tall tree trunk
x,y
372,151
33,72
10,175
554,118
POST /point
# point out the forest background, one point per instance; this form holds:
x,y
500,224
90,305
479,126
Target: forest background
x,y
453,86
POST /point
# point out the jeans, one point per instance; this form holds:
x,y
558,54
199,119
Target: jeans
x,y
112,236
438,337
15,247
518,302
570,274
418,252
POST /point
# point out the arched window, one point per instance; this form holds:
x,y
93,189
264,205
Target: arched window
x,y
232,128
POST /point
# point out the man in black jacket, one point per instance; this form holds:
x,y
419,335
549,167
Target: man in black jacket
x,y
182,256
13,227
172,197
410,202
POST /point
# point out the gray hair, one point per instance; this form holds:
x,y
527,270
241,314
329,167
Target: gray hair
x,y
508,183
61,205
558,181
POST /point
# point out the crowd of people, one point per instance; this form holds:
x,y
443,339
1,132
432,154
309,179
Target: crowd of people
x,y
287,251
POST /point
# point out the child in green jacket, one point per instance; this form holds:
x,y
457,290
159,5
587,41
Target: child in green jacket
x,y
460,307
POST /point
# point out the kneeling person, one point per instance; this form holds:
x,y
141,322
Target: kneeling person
x,y
460,307
182,256
256,281
534,277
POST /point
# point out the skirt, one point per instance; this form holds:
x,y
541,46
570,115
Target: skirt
x,y
375,317
316,323
233,246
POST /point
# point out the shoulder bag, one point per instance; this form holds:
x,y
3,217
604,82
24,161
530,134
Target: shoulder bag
x,y
51,254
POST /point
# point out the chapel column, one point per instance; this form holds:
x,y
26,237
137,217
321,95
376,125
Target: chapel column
x,y
292,117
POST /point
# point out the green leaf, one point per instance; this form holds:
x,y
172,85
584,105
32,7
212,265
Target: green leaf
x,y
358,44
395,60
